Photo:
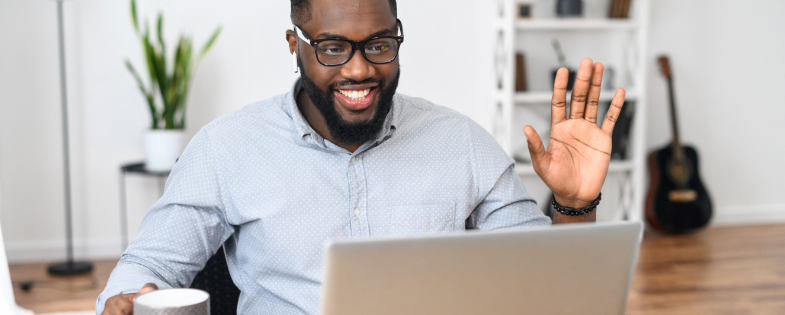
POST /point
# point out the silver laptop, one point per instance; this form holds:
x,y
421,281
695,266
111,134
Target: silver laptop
x,y
574,269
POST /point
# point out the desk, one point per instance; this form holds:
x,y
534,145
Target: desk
x,y
136,168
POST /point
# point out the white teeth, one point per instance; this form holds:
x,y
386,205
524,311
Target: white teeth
x,y
356,95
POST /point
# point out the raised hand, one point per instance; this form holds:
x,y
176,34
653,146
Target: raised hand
x,y
579,152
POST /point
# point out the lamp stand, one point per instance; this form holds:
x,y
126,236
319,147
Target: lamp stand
x,y
69,267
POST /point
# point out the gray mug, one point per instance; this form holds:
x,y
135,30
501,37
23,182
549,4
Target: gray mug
x,y
173,302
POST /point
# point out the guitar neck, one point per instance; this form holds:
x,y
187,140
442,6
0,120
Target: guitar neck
x,y
677,151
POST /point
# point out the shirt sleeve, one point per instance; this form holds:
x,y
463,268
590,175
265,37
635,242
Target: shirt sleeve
x,y
507,205
502,200
180,232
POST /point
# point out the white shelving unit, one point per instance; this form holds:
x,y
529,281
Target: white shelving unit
x,y
620,44
572,25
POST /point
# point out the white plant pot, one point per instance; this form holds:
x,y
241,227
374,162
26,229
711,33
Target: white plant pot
x,y
162,148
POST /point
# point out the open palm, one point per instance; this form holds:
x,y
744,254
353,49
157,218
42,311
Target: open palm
x,y
576,162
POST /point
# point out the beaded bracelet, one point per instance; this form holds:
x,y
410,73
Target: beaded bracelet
x,y
576,212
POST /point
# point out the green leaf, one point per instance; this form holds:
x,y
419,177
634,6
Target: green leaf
x,y
136,76
210,42
178,71
149,55
159,31
157,71
148,96
133,16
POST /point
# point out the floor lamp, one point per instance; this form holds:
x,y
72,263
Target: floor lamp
x,y
69,267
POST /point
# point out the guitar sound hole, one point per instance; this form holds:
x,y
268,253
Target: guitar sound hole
x,y
680,172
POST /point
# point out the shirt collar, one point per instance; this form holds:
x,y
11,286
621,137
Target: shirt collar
x,y
308,134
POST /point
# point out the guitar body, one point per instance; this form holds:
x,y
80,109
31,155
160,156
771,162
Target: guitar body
x,y
677,201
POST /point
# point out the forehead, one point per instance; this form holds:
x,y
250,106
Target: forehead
x,y
354,19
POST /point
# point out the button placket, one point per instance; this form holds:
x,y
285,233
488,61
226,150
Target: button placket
x,y
354,191
362,195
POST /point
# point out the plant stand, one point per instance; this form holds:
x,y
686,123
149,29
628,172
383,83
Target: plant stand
x,y
135,168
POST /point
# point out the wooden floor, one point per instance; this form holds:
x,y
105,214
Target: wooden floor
x,y
728,270
51,294
725,270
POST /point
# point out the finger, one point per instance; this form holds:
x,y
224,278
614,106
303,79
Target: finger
x,y
124,306
118,305
149,287
594,93
613,111
580,89
539,156
559,99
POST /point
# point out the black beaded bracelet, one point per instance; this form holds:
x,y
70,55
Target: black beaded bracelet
x,y
576,212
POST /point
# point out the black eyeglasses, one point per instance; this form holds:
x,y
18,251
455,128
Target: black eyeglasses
x,y
336,52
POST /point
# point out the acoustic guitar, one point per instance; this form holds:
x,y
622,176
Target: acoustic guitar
x,y
677,201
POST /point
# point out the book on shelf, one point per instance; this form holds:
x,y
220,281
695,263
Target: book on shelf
x,y
520,73
619,9
620,139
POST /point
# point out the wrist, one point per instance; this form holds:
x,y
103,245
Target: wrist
x,y
571,202
573,212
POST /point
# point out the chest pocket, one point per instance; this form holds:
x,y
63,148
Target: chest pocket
x,y
424,218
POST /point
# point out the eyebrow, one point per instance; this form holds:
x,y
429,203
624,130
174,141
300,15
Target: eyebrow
x,y
327,35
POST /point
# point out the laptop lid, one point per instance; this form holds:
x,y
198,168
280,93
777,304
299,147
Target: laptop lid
x,y
572,269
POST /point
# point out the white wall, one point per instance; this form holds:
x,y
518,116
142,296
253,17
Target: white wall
x,y
29,127
729,70
725,54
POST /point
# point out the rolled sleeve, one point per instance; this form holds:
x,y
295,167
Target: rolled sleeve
x,y
508,205
502,200
180,232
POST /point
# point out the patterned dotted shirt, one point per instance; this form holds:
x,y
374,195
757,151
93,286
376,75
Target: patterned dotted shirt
x,y
264,184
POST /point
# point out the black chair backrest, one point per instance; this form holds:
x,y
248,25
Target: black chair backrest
x,y
215,279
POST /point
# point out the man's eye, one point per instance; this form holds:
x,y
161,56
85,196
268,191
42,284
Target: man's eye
x,y
332,50
377,48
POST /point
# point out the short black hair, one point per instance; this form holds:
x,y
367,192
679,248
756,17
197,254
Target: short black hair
x,y
301,13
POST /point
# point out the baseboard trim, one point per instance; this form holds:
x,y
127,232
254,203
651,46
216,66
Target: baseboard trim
x,y
54,250
749,215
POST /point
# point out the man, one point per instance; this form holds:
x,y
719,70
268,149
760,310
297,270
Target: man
x,y
342,156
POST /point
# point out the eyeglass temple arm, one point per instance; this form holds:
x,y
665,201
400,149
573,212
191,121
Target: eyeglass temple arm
x,y
299,33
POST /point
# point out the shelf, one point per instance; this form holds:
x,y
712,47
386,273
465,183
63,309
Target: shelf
x,y
615,166
545,96
576,24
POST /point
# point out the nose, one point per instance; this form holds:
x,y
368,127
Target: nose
x,y
358,68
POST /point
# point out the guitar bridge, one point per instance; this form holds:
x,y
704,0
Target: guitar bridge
x,y
682,195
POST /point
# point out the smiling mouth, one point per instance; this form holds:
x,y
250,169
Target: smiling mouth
x,y
356,100
355,95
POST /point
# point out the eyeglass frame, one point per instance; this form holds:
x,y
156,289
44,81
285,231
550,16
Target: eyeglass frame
x,y
355,45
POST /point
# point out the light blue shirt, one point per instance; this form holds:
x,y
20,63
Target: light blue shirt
x,y
262,182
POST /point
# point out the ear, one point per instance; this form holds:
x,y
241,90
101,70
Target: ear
x,y
291,38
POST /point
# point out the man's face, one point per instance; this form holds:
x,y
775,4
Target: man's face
x,y
338,92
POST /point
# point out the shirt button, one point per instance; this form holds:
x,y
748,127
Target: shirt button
x,y
357,212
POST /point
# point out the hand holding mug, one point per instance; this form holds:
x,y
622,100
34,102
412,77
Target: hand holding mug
x,y
123,304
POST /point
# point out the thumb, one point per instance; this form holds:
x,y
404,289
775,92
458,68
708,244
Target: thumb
x,y
537,152
149,287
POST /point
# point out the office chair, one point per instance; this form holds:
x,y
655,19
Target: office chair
x,y
215,279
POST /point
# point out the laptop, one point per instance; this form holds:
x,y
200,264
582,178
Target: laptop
x,y
571,269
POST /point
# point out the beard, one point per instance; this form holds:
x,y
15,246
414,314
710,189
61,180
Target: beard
x,y
343,131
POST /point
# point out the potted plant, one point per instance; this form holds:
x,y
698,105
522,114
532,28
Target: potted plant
x,y
167,91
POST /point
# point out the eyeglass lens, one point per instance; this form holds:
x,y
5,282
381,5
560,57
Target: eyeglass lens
x,y
333,52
